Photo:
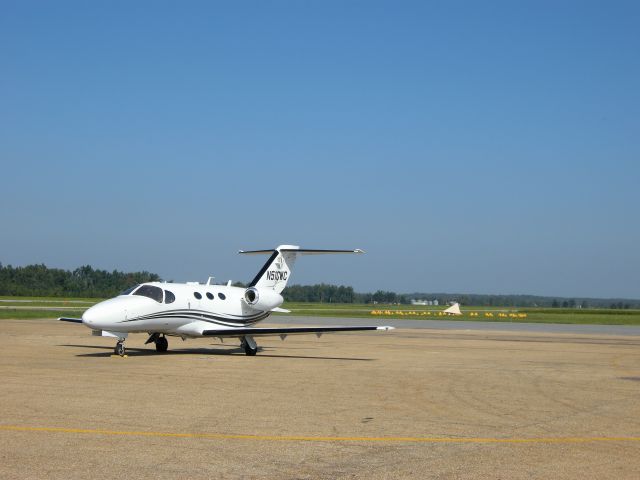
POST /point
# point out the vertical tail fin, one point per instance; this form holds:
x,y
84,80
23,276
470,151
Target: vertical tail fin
x,y
275,273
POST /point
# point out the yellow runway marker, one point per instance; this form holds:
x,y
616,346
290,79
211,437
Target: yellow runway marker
x,y
302,438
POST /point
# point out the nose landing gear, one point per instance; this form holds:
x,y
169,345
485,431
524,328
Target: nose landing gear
x,y
119,350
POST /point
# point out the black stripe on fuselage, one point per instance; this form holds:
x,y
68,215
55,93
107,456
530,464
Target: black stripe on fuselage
x,y
202,316
225,316
189,319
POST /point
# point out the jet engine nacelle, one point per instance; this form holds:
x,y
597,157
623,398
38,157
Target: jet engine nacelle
x,y
262,299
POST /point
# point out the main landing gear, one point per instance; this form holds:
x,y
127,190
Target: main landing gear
x,y
249,345
162,344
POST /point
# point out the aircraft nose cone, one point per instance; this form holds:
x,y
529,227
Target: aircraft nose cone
x,y
90,317
104,315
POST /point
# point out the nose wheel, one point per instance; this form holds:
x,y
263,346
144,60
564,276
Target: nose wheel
x,y
119,350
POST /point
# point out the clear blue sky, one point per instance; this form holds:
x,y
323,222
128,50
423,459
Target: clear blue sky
x,y
487,147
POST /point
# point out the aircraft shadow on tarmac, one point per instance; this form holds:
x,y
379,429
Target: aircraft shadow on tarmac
x,y
143,352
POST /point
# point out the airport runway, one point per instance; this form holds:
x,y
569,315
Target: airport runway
x,y
411,403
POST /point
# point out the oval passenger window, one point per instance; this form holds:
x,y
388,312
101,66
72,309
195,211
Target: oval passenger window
x,y
169,297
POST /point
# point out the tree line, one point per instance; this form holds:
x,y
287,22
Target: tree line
x,y
341,294
325,293
531,301
85,281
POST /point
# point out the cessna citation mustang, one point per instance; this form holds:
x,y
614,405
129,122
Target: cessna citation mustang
x,y
191,310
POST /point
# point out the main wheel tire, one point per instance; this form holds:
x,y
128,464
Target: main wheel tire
x,y
119,350
250,351
162,344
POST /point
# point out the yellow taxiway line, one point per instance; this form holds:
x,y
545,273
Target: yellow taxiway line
x,y
303,438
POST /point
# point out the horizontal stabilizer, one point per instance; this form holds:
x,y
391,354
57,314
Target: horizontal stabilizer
x,y
239,332
275,273
302,251
73,320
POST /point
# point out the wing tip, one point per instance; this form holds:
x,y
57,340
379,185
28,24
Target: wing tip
x,y
67,319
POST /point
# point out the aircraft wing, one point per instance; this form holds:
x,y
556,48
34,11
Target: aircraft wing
x,y
74,320
264,332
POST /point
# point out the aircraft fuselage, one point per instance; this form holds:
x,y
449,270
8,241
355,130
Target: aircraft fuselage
x,y
182,309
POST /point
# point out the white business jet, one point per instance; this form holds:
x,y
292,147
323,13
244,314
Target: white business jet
x,y
191,310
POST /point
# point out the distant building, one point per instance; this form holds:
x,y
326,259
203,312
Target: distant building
x,y
424,302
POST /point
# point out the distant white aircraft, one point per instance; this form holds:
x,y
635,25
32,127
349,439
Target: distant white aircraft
x,y
453,309
191,310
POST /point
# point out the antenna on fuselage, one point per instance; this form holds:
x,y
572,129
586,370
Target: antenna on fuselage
x,y
210,280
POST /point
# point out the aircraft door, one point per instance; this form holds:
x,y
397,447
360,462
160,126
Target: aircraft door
x,y
194,301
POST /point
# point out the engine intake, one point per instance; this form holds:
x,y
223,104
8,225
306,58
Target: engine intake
x,y
262,299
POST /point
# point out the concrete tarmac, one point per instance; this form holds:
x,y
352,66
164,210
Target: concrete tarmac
x,y
411,403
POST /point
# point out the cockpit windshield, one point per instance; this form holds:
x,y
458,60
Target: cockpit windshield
x,y
129,290
150,291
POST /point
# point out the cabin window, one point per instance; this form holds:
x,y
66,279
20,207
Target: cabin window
x,y
169,297
197,295
150,291
129,290
222,296
210,295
